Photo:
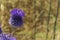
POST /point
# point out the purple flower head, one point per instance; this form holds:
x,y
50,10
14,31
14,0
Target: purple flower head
x,y
16,18
17,11
6,37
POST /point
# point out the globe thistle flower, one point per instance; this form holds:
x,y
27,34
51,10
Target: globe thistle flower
x,y
16,18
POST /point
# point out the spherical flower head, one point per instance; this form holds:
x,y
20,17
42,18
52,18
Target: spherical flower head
x,y
17,11
16,18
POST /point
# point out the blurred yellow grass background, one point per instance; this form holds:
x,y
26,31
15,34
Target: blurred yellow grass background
x,y
32,18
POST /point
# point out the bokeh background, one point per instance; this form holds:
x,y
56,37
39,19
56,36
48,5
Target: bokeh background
x,y
36,26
